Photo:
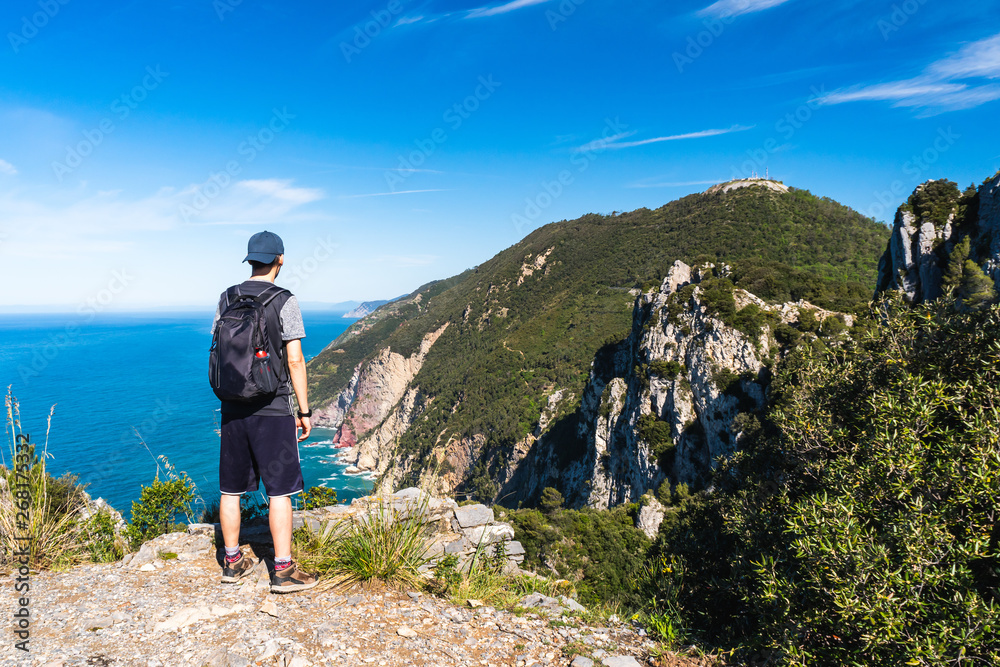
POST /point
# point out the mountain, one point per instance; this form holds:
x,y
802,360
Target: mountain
x,y
496,381
368,307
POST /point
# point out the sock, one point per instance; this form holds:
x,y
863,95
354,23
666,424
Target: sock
x,y
233,554
282,562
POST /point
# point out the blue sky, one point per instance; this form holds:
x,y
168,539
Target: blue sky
x,y
394,142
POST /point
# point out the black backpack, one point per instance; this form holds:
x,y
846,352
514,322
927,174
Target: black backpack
x,y
243,363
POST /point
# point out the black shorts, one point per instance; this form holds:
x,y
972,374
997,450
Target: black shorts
x,y
258,448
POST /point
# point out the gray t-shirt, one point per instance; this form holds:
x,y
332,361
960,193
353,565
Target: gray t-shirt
x,y
292,328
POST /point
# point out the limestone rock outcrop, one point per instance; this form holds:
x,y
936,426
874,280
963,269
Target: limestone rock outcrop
x,y
918,249
662,405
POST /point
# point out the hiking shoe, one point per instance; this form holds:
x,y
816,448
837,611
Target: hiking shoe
x,y
233,572
291,579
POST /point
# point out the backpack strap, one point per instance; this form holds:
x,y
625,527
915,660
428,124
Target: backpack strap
x,y
278,292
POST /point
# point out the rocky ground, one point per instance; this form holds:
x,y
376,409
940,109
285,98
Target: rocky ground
x,y
165,606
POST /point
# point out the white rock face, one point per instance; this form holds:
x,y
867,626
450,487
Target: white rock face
x,y
650,517
690,352
989,224
913,266
332,415
918,252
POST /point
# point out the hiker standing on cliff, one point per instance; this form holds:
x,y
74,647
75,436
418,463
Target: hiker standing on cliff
x,y
256,364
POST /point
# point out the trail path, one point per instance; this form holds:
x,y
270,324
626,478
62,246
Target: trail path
x,y
161,613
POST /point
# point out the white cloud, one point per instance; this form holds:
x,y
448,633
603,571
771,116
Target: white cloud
x,y
281,189
406,20
389,194
602,144
502,9
614,143
7,168
730,8
943,85
56,225
978,59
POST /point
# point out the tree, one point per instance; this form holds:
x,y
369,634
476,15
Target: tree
x,y
551,500
975,291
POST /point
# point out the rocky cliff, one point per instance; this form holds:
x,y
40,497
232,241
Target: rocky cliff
x,y
928,228
663,405
377,407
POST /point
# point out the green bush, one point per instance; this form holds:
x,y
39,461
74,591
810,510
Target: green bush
x,y
35,504
600,551
666,369
657,434
104,545
159,505
859,526
832,326
387,546
318,496
551,500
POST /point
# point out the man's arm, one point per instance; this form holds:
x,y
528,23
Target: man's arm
x,y
297,371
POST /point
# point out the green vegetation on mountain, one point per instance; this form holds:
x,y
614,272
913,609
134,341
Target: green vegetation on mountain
x,y
859,523
600,551
510,345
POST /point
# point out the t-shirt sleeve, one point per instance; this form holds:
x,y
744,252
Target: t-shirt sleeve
x,y
292,327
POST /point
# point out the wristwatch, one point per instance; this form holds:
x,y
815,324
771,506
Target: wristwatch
x,y
305,414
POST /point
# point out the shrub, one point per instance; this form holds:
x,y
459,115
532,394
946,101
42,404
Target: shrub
x,y
551,500
807,320
600,551
318,496
657,434
666,369
833,325
159,504
386,546
36,505
104,545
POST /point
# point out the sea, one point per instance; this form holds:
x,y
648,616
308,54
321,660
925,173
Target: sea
x,y
119,398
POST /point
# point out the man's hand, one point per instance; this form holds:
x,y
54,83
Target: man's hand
x,y
304,424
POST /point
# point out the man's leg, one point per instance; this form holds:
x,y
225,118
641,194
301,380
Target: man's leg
x,y
229,517
279,516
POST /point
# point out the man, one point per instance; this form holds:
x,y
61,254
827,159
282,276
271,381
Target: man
x,y
259,438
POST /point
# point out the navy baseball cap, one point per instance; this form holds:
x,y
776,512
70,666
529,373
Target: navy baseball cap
x,y
263,247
